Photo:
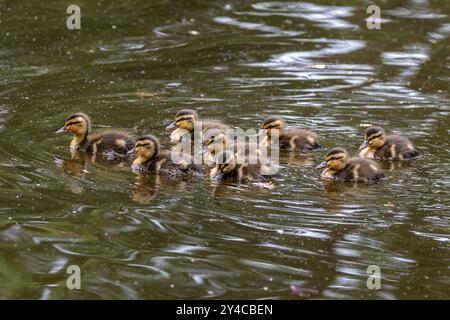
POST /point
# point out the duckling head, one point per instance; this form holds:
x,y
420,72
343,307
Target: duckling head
x,y
375,138
147,147
184,119
79,125
272,124
214,138
225,162
335,160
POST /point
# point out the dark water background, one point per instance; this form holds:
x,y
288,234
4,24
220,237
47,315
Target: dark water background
x,y
315,63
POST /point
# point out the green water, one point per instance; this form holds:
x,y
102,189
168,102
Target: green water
x,y
149,237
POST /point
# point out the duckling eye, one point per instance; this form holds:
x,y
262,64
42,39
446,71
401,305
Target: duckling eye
x,y
375,136
142,145
334,159
183,119
74,123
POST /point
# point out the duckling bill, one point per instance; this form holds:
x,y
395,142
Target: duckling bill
x,y
152,158
378,145
292,139
340,167
107,142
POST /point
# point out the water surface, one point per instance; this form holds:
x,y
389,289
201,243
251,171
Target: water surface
x,y
133,64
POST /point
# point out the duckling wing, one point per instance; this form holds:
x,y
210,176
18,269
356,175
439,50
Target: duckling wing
x,y
302,139
111,141
163,163
362,170
397,148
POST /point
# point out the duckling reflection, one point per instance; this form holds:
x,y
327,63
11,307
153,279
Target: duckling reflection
x,y
145,189
299,159
292,139
340,167
110,143
378,145
74,167
395,165
148,186
77,167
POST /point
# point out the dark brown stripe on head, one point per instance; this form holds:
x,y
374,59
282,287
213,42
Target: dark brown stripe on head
x,y
269,120
77,115
374,136
183,118
187,112
373,131
146,140
336,151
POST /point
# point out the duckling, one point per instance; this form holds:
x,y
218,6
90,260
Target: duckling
x,y
292,139
187,119
216,140
111,143
339,166
377,145
227,167
152,158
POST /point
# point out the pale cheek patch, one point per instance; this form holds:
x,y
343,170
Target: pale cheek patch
x,y
310,139
374,168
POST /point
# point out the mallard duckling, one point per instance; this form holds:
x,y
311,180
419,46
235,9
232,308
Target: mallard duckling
x,y
377,145
227,167
291,139
187,119
217,140
339,166
152,158
110,143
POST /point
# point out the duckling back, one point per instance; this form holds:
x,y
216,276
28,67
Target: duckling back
x,y
110,142
396,148
162,163
300,139
361,170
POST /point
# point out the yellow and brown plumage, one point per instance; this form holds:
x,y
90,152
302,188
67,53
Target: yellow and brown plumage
x,y
110,143
152,158
217,140
186,121
378,145
227,168
340,167
290,139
